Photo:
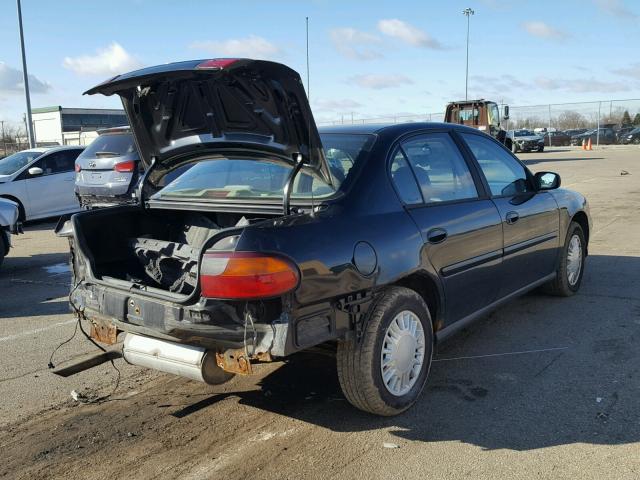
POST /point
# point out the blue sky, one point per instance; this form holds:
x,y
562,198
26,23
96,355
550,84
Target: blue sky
x,y
367,57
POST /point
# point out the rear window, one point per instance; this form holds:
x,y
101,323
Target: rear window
x,y
111,145
223,177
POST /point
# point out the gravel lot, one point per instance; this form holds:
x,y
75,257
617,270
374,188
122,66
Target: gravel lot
x,y
542,388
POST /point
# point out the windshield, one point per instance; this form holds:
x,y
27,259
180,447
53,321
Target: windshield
x,y
524,133
246,177
110,145
11,164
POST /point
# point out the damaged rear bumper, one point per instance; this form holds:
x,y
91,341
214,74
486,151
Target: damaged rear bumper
x,y
211,324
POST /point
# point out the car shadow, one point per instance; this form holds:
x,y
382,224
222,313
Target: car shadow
x,y
534,161
541,371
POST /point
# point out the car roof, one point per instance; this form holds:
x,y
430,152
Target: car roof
x,y
53,149
392,128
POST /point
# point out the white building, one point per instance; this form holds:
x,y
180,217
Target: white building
x,y
72,126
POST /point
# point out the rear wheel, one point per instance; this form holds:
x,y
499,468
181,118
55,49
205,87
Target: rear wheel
x,y
385,371
3,248
571,267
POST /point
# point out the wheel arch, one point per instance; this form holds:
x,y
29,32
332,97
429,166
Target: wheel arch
x,y
581,219
430,291
21,210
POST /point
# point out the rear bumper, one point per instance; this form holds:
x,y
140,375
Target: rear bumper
x,y
212,324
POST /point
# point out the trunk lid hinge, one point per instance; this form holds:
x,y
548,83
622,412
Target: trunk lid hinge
x,y
141,198
286,201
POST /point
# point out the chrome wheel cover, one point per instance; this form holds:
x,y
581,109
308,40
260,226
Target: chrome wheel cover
x,y
402,355
574,260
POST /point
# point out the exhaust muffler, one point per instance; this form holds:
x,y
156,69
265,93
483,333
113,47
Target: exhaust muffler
x,y
187,361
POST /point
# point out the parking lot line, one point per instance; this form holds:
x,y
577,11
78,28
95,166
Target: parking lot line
x,y
37,330
473,357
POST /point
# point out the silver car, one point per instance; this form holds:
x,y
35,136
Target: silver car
x,y
8,225
40,181
107,171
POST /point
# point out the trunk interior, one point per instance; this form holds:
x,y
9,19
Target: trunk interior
x,y
157,249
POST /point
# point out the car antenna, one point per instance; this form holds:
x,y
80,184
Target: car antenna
x,y
313,207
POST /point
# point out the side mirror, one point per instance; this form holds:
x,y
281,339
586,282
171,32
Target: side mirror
x,y
547,180
35,171
505,113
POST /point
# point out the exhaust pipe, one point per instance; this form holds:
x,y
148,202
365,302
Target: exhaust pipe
x,y
186,361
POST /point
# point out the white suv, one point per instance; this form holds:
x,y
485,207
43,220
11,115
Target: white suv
x,y
40,181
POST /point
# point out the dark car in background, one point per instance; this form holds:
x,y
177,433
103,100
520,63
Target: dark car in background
x,y
622,132
603,136
575,131
260,236
108,170
557,139
525,141
631,137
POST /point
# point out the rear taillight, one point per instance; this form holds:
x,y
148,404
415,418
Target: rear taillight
x,y
246,275
216,64
78,168
128,166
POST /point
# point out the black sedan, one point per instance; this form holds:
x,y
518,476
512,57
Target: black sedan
x,y
258,236
632,136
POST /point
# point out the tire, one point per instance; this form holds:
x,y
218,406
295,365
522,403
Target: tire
x,y
360,362
564,285
541,149
3,248
636,141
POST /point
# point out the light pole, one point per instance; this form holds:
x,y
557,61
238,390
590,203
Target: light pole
x,y
467,12
25,78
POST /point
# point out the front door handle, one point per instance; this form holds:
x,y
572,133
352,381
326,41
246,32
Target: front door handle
x,y
512,217
436,235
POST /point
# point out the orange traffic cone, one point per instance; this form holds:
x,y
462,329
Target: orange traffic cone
x,y
589,145
584,144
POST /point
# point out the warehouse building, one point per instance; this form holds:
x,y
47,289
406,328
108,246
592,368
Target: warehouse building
x,y
72,126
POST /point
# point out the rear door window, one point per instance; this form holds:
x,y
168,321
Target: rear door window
x,y
438,165
404,180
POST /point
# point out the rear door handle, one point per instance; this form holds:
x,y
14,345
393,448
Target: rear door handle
x,y
512,217
436,235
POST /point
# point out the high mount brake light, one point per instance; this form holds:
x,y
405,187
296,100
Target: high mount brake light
x,y
216,63
128,166
246,275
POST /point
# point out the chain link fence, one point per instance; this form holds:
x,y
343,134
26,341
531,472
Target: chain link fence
x,y
615,115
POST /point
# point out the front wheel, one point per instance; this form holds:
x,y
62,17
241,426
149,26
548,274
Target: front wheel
x,y
541,148
571,267
385,370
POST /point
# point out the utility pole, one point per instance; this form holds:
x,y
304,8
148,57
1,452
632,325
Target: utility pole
x,y
308,86
4,141
467,12
25,78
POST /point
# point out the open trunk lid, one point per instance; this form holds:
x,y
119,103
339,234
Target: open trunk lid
x,y
179,109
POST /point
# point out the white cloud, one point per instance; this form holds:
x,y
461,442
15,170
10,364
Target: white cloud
x,y
378,82
632,71
355,44
616,8
543,30
581,85
344,104
111,60
11,81
407,33
252,46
